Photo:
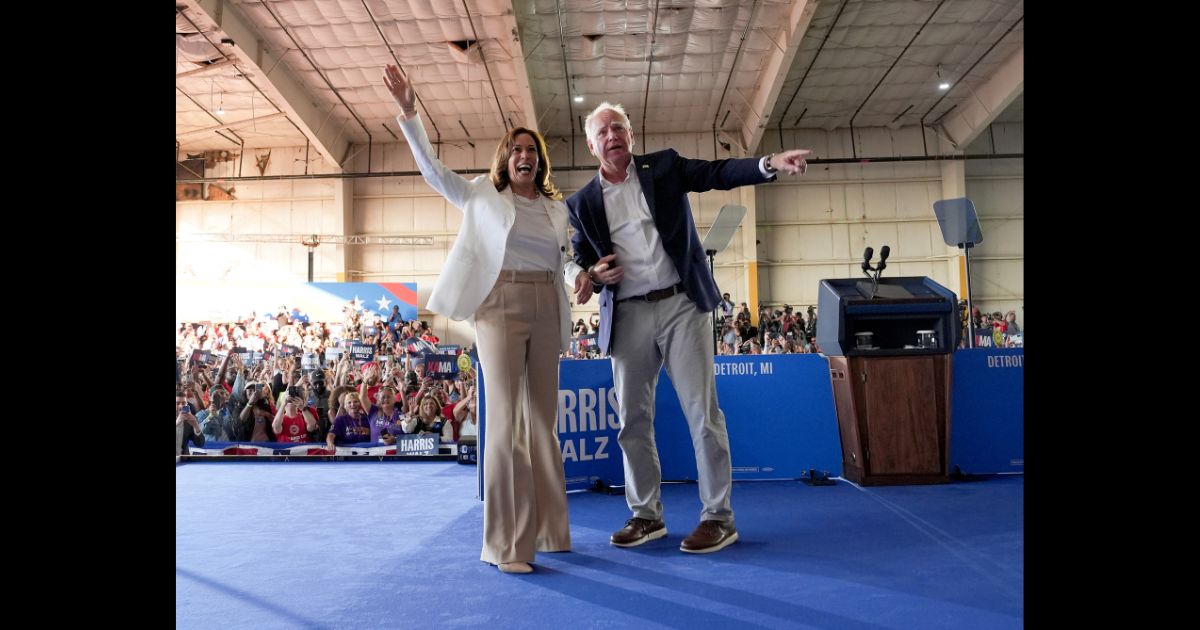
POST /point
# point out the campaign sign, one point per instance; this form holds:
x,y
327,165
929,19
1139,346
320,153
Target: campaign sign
x,y
362,352
441,366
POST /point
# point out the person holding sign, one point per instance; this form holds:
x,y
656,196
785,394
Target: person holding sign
x,y
508,271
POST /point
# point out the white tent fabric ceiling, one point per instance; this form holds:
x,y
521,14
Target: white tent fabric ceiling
x,y
287,72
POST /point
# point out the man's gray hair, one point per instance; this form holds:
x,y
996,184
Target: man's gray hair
x,y
587,123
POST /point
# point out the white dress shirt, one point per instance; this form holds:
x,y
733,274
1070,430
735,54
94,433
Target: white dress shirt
x,y
635,238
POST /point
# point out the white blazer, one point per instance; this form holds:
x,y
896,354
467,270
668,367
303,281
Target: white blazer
x,y
475,258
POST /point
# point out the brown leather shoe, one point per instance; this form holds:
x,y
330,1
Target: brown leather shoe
x,y
637,531
710,536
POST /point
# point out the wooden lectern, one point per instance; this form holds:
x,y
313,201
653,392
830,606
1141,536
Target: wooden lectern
x,y
890,348
894,418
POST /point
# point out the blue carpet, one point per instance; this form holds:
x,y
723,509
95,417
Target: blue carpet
x,y
396,545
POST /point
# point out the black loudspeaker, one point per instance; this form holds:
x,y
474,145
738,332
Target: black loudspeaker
x,y
466,450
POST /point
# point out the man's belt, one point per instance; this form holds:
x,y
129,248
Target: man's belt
x,y
654,296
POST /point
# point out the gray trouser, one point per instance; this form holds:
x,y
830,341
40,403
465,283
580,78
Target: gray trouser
x,y
674,330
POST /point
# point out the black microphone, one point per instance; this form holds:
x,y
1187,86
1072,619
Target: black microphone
x,y
867,253
883,254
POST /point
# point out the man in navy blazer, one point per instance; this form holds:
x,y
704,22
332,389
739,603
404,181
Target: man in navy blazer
x,y
635,235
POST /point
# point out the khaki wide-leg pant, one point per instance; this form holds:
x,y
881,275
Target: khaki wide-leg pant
x,y
524,494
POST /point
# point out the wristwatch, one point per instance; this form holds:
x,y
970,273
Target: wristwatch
x,y
767,164
596,284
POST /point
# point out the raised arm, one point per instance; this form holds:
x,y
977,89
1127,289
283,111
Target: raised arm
x,y
451,185
239,383
277,423
224,367
704,175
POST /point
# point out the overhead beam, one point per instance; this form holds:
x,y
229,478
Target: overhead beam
x,y
283,88
202,69
517,53
231,125
332,239
763,101
987,101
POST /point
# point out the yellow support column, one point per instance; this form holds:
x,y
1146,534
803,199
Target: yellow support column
x,y
747,197
954,185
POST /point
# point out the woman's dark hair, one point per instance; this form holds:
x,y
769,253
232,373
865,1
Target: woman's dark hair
x,y
541,179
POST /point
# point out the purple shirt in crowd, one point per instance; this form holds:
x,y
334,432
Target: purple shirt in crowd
x,y
347,430
379,422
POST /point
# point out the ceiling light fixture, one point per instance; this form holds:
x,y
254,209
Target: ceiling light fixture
x,y
943,84
578,98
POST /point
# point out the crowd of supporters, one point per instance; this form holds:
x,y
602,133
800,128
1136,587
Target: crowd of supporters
x,y
992,330
282,378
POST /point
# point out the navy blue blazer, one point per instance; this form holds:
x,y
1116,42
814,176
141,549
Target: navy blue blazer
x,y
666,179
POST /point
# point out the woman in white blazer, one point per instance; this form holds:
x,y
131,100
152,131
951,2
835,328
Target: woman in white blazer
x,y
508,271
